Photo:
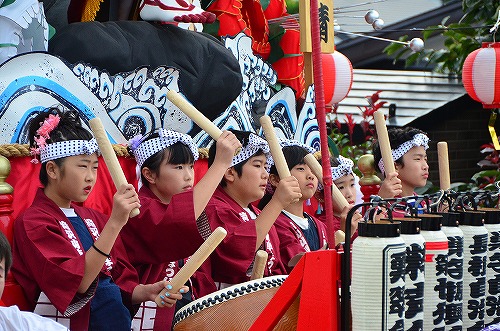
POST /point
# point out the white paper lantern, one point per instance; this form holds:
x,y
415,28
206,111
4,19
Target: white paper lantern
x,y
436,261
492,224
414,272
475,254
455,274
377,282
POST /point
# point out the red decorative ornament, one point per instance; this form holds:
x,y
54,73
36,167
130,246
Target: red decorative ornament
x,y
245,16
481,75
290,68
337,77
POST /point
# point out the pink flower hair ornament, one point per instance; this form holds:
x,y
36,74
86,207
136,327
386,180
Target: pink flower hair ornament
x,y
46,127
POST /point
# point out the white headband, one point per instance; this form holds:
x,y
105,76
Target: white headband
x,y
67,148
343,169
419,139
287,143
143,150
255,143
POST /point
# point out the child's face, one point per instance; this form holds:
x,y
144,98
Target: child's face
x,y
345,184
173,179
415,171
307,181
251,186
2,276
74,180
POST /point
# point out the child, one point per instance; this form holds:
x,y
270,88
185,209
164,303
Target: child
x,y
247,228
298,232
171,210
69,256
409,147
11,318
343,178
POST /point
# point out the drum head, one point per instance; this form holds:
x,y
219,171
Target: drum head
x,y
235,308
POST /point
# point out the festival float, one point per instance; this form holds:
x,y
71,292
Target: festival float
x,y
148,66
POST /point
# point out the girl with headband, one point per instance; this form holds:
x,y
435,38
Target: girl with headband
x,y
298,231
69,259
410,160
248,229
172,223
343,178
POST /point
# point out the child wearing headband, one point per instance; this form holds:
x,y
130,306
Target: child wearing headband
x,y
342,177
69,259
172,212
248,229
298,231
409,147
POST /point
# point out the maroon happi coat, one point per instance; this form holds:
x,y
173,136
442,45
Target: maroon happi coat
x,y
292,240
233,258
156,240
49,258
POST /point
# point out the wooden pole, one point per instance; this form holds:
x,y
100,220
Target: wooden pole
x,y
444,166
109,156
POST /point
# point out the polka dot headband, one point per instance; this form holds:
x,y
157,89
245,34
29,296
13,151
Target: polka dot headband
x,y
67,148
419,139
287,143
143,150
343,169
255,143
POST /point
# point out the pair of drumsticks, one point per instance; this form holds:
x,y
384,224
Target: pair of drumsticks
x,y
118,177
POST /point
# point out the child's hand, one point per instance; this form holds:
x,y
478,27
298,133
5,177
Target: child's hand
x,y
391,186
356,217
169,299
227,144
124,200
288,191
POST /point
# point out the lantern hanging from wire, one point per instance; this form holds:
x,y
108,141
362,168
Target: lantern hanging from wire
x,y
481,79
337,77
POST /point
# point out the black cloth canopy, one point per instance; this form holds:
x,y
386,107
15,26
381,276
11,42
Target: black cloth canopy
x,y
210,75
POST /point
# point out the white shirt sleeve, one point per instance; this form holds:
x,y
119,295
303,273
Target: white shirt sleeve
x,y
11,318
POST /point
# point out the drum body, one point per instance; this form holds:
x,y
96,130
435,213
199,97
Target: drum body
x,y
235,308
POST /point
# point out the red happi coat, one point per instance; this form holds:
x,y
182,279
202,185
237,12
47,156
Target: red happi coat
x,y
292,240
233,258
156,240
49,258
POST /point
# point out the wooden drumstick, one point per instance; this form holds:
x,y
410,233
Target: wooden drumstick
x,y
444,165
384,142
259,265
194,262
194,114
109,156
337,196
274,146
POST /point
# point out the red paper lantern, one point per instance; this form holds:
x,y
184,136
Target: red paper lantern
x,y
337,77
481,75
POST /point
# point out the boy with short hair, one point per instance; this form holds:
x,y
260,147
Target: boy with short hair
x,y
248,228
409,147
